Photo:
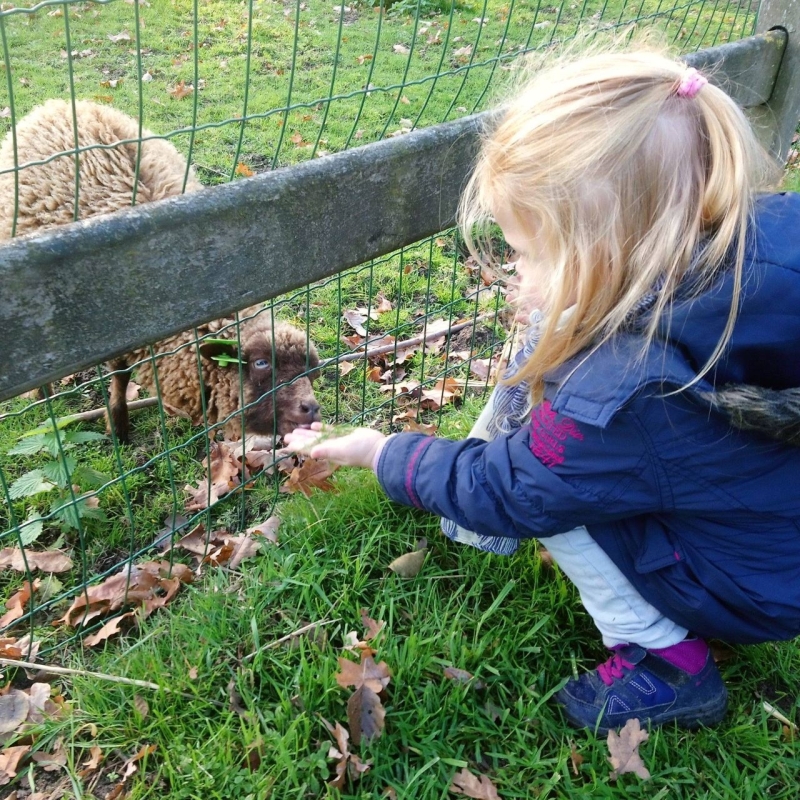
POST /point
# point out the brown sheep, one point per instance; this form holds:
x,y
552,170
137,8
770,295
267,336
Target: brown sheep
x,y
261,371
107,177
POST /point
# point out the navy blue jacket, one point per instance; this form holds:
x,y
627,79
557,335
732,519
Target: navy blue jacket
x,y
703,518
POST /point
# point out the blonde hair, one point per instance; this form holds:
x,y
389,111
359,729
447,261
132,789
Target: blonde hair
x,y
622,180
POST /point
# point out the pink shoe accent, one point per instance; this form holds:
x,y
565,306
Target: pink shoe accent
x,y
613,668
690,655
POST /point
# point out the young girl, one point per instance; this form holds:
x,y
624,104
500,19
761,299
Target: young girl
x,y
669,291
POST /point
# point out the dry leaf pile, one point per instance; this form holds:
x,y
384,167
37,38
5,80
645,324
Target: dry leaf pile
x,y
222,548
365,712
143,588
228,464
21,710
231,463
386,358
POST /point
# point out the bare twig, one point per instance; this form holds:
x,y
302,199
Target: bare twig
x,y
10,662
773,712
356,355
292,635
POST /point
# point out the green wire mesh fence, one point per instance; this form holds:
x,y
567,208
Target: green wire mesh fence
x,y
242,88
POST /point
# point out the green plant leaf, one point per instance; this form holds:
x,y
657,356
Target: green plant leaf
x,y
60,471
88,477
79,437
29,484
30,530
47,427
70,514
66,512
28,445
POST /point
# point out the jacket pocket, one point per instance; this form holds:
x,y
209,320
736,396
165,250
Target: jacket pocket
x,y
657,551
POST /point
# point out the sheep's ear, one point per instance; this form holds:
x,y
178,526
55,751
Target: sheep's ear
x,y
221,351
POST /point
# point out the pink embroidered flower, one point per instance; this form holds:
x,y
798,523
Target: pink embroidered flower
x,y
549,432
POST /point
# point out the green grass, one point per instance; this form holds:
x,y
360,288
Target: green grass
x,y
517,626
304,78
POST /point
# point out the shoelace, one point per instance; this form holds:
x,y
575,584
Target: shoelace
x,y
612,669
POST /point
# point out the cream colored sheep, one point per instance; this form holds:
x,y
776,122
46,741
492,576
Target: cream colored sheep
x,y
107,176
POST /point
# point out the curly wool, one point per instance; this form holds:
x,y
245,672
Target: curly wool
x,y
107,175
179,372
107,178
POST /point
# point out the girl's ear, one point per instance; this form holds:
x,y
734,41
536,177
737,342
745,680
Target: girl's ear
x,y
223,351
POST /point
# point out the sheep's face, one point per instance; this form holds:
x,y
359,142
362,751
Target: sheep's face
x,y
275,373
278,392
278,366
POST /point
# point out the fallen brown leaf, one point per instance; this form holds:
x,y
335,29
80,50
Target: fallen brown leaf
x,y
45,560
9,648
445,391
413,426
14,708
348,764
181,90
576,759
224,473
409,564
141,706
375,676
130,765
244,170
243,547
357,317
382,304
457,675
313,473
146,586
51,762
373,627
341,736
16,603
624,749
268,529
108,629
96,758
366,715
9,762
479,787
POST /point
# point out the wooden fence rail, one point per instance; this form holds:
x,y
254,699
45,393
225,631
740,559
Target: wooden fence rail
x,y
78,295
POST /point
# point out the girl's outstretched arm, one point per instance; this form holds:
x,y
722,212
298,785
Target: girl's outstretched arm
x,y
359,448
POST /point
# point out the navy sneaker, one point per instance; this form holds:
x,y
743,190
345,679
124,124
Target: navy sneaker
x,y
679,683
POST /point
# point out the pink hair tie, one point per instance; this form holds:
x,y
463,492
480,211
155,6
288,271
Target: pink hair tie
x,y
691,83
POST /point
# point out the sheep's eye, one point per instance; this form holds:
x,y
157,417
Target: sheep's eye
x,y
261,363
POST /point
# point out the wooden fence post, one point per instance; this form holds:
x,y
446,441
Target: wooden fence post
x,y
784,102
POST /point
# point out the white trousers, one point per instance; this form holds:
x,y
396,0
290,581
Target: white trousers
x,y
620,613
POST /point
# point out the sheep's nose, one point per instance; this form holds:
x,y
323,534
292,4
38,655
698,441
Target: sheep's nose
x,y
310,408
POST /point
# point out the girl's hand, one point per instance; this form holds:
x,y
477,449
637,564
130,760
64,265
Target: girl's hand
x,y
359,448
